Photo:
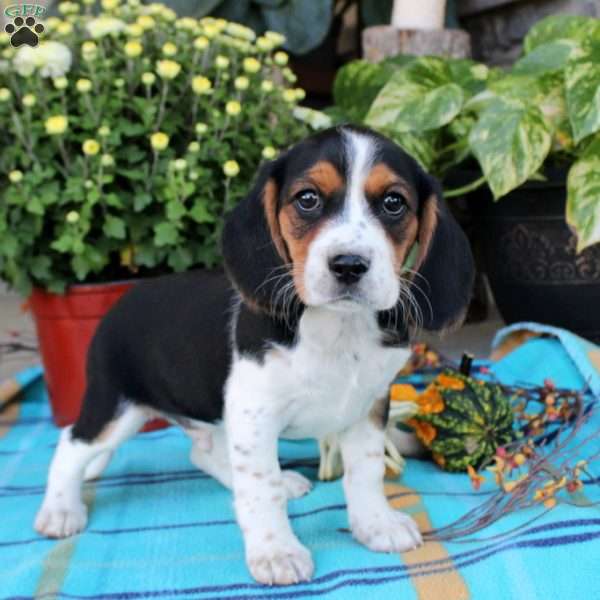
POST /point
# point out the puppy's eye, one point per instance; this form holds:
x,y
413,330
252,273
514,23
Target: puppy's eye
x,y
308,201
394,204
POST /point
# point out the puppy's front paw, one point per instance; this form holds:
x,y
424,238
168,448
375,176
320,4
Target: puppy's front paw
x,y
280,562
295,485
59,519
388,531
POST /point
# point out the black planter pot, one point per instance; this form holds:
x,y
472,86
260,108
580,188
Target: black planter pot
x,y
531,261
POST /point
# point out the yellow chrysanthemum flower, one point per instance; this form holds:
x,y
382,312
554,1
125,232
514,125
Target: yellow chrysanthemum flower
x,y
15,176
169,49
201,128
221,62
289,75
29,100
64,28
231,168
275,37
264,44
148,78
186,23
89,50
269,152
4,94
280,58
201,43
133,48
83,85
289,95
179,164
267,86
201,85
56,125
72,217
104,131
168,69
300,94
233,108
210,31
241,83
90,147
251,65
146,22
159,141
194,147
110,4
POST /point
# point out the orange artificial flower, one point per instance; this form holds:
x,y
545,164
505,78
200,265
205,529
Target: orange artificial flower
x,y
403,392
425,431
452,383
430,401
476,479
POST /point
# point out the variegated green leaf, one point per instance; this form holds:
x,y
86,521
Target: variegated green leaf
x,y
556,27
583,197
403,105
421,146
510,142
552,56
582,80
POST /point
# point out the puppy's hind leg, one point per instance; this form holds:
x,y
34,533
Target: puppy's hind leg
x,y
63,512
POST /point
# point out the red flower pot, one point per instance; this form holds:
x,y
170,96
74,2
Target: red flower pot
x,y
65,326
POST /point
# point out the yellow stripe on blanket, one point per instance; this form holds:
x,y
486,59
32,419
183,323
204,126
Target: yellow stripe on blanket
x,y
429,584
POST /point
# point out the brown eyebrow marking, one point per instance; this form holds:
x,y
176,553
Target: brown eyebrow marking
x,y
323,175
381,178
269,201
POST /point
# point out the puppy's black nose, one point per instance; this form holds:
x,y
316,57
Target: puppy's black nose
x,y
348,268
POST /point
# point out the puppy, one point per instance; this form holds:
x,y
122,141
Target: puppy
x,y
343,245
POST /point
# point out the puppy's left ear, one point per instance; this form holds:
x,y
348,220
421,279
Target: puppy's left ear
x,y
254,252
444,264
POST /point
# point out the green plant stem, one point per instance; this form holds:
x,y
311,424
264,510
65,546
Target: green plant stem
x,y
23,139
163,101
465,189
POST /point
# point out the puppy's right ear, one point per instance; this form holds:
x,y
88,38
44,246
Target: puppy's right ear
x,y
255,254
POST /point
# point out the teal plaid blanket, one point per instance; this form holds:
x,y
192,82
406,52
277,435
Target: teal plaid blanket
x,y
159,528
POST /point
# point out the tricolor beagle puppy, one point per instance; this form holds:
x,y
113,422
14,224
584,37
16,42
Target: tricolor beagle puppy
x,y
343,246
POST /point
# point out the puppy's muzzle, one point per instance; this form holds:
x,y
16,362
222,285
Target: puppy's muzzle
x,y
348,268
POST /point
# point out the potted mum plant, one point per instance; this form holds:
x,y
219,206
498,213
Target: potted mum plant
x,y
126,138
530,137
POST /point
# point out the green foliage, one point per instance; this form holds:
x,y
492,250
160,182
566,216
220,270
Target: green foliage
x,y
447,111
128,177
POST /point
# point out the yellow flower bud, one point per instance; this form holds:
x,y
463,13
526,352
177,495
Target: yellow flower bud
x,y
146,22
241,83
289,95
148,78
231,168
90,147
194,147
201,43
60,83
269,152
276,38
15,176
187,23
201,84
89,50
29,100
104,131
300,94
159,141
110,4
267,86
168,69
201,128
4,94
251,65
119,82
169,49
133,49
180,164
72,217
56,125
221,62
107,160
64,28
280,58
83,85
134,30
233,108
264,44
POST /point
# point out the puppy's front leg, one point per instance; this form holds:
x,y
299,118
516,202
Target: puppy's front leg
x,y
273,553
372,521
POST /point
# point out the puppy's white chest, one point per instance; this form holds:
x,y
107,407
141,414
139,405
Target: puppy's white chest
x,y
331,377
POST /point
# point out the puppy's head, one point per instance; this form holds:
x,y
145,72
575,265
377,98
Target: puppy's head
x,y
347,220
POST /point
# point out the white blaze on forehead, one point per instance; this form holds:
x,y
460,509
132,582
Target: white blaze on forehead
x,y
360,153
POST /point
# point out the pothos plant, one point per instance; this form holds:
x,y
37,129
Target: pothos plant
x,y
127,136
543,112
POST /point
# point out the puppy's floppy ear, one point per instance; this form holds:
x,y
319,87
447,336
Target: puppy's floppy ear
x,y
444,264
254,252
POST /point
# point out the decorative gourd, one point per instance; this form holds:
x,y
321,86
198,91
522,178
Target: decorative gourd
x,y
461,420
